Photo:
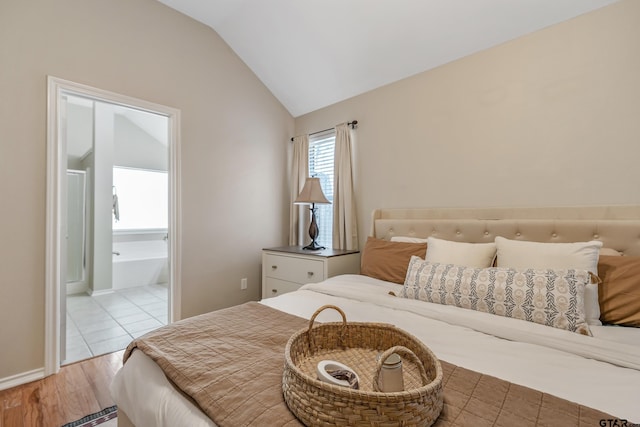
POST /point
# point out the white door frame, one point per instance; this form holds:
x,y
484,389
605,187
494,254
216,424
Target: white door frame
x,y
56,166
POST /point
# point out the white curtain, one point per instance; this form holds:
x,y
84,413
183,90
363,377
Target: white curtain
x,y
299,174
345,227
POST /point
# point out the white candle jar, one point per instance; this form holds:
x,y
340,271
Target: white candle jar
x,y
391,374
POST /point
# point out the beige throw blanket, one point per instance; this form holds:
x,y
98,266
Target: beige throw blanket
x,y
230,362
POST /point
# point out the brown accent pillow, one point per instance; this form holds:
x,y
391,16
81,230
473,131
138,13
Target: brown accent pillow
x,y
619,293
387,260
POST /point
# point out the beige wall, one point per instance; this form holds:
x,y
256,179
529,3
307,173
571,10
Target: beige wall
x,y
552,118
234,135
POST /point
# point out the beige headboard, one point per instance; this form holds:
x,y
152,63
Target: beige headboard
x,y
618,227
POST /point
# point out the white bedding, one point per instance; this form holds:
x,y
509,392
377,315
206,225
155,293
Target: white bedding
x,y
602,372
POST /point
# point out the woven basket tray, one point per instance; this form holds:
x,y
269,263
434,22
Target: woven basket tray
x,y
357,345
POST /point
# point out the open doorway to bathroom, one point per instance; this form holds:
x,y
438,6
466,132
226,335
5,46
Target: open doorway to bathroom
x,y
114,275
120,254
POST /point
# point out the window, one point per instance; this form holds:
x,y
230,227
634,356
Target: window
x,y
143,199
321,153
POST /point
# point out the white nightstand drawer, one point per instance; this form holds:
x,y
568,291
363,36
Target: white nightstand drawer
x,y
275,287
286,268
293,269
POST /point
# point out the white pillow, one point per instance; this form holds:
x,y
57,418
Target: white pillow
x,y
479,255
609,252
580,255
407,239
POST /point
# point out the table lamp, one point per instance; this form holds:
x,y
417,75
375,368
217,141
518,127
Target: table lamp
x,y
311,194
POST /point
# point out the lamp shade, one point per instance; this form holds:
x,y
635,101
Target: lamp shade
x,y
311,192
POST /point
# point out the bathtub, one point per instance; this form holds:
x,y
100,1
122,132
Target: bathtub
x,y
140,263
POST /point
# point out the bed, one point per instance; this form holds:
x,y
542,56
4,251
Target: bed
x,y
579,370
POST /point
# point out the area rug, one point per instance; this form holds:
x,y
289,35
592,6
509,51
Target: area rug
x,y
105,418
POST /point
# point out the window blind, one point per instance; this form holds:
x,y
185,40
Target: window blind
x,y
321,155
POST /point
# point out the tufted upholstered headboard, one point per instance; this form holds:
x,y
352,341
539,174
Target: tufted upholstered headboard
x,y
618,227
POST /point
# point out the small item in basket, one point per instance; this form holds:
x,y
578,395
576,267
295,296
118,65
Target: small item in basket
x,y
391,374
336,373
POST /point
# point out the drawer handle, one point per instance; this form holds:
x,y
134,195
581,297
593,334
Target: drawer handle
x,y
274,267
275,291
310,273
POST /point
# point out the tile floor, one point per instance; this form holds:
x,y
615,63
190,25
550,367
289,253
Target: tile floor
x,y
106,323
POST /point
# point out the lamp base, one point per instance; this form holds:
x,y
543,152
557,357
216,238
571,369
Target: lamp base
x,y
313,232
313,246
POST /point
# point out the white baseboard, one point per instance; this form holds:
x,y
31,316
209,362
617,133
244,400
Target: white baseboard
x,y
77,288
23,378
102,292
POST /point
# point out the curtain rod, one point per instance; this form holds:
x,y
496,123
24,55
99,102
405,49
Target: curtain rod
x,y
353,125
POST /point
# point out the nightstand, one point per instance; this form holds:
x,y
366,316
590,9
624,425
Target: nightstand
x,y
286,268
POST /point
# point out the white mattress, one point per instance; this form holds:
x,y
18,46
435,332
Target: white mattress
x,y
602,372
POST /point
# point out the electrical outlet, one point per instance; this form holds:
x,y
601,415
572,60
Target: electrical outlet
x,y
243,283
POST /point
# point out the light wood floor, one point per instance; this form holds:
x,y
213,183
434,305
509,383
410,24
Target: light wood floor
x,y
77,390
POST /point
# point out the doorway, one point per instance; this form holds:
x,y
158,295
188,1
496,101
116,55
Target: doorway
x,y
112,221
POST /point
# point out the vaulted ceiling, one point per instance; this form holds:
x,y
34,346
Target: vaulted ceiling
x,y
313,53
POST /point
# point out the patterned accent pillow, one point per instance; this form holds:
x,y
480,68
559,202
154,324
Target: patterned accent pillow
x,y
548,297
